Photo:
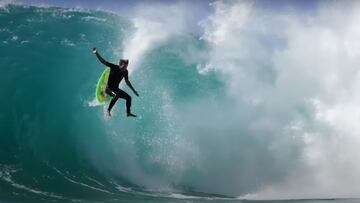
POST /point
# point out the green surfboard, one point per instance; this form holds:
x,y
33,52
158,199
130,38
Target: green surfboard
x,y
100,93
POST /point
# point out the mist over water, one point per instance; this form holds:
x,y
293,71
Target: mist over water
x,y
297,78
262,105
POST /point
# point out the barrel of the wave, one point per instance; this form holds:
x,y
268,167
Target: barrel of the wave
x,y
100,93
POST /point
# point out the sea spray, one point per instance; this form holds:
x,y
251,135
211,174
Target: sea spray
x,y
243,109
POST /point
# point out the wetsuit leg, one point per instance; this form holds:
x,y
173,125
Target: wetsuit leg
x,y
120,94
109,92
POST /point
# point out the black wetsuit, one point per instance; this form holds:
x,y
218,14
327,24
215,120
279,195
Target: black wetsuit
x,y
115,77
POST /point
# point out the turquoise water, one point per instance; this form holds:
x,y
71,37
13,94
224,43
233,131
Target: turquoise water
x,y
56,145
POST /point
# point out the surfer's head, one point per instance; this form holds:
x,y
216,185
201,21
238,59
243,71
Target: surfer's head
x,y
123,63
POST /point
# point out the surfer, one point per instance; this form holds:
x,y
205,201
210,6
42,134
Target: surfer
x,y
117,73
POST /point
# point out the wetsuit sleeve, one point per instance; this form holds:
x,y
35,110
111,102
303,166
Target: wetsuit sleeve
x,y
111,65
126,75
102,60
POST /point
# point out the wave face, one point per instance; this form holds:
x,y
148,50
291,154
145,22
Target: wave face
x,y
48,74
227,114
54,144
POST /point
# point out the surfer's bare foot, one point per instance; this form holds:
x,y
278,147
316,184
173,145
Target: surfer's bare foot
x,y
108,113
131,115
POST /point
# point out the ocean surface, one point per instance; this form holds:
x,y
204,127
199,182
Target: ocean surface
x,y
56,145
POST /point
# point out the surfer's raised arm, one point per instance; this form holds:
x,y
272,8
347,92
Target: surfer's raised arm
x,y
100,58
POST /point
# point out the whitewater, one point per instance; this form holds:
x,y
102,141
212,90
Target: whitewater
x,y
261,106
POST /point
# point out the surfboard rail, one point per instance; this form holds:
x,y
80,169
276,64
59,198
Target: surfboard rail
x,y
100,93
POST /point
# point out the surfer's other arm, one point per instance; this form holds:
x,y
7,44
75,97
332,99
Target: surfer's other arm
x,y
127,81
101,59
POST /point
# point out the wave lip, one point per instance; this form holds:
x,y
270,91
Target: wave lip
x,y
5,3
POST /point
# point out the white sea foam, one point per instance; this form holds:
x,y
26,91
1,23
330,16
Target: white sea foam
x,y
5,175
151,29
4,3
95,181
303,92
92,18
122,188
80,183
94,103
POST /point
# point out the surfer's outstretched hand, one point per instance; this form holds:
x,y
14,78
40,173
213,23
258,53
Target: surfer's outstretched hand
x,y
136,93
94,50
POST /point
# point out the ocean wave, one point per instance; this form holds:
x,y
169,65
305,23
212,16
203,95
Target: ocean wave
x,y
212,111
80,183
5,3
92,18
5,175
